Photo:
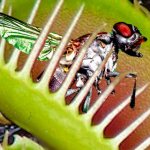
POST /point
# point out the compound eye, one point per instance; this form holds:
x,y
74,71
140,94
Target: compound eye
x,y
123,29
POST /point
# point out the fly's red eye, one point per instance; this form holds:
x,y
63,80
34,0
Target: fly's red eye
x,y
124,30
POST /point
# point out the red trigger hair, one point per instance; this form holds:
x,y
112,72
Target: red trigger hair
x,y
124,29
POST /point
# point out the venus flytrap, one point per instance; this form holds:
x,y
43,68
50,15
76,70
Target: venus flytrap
x,y
45,114
2,47
28,118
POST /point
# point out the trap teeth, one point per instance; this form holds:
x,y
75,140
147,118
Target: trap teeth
x,y
2,50
78,99
145,144
107,120
34,12
3,2
3,42
104,96
44,83
40,42
12,64
77,63
126,132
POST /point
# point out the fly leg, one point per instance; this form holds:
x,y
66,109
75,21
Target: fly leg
x,y
86,104
130,75
108,81
113,74
12,130
79,85
108,78
132,101
40,75
96,84
72,91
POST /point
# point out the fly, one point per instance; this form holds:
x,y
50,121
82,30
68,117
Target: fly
x,y
124,37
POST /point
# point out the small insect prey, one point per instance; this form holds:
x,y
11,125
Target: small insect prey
x,y
124,37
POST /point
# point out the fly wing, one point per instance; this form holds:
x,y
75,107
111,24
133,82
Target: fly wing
x,y
50,46
23,36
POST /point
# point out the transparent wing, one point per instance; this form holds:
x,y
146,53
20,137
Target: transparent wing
x,y
23,36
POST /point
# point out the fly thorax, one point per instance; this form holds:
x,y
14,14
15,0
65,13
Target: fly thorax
x,y
90,53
